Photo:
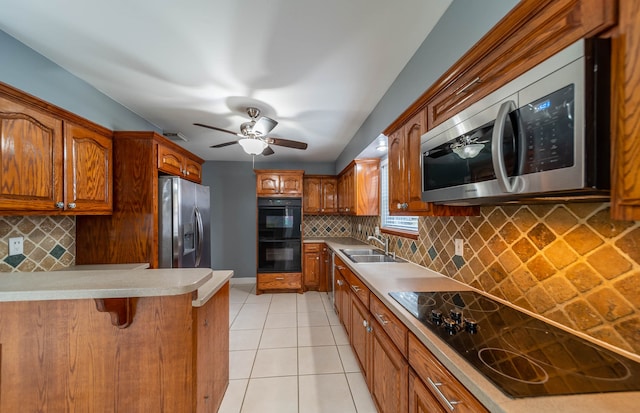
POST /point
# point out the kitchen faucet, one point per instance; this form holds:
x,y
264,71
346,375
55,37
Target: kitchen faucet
x,y
383,241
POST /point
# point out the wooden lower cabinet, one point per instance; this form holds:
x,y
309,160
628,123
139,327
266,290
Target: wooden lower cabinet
x,y
359,336
444,387
312,266
387,372
285,281
421,400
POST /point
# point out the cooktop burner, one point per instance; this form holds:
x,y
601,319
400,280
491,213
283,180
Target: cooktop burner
x,y
522,355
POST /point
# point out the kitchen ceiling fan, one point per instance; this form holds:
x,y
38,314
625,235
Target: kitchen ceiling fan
x,y
252,135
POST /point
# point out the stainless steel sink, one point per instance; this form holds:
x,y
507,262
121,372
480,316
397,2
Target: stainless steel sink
x,y
374,258
369,251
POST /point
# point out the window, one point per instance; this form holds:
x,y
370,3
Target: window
x,y
401,223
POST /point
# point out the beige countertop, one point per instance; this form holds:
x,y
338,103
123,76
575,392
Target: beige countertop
x,y
212,286
109,283
382,278
84,267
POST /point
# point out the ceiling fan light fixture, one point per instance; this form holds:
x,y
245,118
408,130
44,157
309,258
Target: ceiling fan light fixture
x,y
252,146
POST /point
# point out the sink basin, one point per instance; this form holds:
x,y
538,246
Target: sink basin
x,y
373,258
368,251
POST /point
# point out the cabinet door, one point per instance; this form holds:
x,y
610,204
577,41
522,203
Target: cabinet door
x,y
170,161
397,172
291,184
388,373
625,162
192,170
329,195
311,265
31,159
89,170
420,398
359,336
413,131
268,184
312,201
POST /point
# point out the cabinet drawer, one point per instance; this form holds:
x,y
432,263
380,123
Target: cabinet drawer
x,y
280,281
315,247
169,161
394,328
439,380
359,289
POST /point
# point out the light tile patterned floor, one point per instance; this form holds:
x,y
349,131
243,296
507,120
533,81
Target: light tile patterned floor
x,y
289,353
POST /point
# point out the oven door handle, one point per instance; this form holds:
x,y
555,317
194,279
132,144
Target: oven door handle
x,y
497,154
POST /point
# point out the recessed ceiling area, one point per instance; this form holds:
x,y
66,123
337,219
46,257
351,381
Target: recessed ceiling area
x,y
316,67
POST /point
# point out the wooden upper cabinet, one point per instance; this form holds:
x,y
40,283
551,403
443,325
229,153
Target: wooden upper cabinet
x,y
359,188
320,195
405,174
625,178
89,172
31,159
50,165
279,183
179,164
531,33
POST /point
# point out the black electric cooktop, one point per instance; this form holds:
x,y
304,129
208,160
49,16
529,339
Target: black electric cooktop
x,y
522,355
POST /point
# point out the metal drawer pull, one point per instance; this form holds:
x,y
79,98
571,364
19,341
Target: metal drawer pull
x,y
468,85
383,321
339,282
279,278
355,288
436,387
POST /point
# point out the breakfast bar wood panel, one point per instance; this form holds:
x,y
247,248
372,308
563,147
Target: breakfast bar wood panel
x,y
63,355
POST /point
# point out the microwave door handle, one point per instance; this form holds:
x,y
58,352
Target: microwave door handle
x,y
497,154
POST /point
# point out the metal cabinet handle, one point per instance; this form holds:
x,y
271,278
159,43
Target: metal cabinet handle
x,y
339,282
382,320
279,278
355,288
468,85
436,387
60,205
72,205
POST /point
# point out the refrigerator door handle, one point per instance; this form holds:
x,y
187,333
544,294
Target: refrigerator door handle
x,y
199,236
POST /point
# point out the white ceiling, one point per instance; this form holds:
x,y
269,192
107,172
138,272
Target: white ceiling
x,y
318,67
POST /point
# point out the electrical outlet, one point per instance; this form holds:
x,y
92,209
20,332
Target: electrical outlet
x,y
15,246
459,246
376,230
359,227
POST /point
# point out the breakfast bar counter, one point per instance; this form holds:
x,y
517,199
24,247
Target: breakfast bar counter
x,y
114,340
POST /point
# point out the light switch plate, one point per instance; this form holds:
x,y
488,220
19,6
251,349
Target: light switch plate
x,y
15,246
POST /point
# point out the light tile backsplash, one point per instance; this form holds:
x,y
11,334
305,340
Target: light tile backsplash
x,y
49,243
569,263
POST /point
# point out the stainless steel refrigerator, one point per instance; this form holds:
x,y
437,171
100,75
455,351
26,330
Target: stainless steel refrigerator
x,y
185,224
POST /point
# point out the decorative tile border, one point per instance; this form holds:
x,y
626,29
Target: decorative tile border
x,y
326,226
49,243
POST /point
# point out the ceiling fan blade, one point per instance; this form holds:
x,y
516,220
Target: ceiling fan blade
x,y
216,128
222,145
268,151
286,143
264,125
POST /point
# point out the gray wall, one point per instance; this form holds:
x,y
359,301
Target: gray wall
x,y
233,210
461,26
31,72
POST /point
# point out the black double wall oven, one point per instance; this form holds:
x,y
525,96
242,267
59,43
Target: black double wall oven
x,y
279,235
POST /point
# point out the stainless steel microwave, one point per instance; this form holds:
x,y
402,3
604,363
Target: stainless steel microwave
x,y
542,137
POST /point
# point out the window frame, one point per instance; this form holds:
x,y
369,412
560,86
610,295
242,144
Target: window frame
x,y
385,226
